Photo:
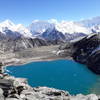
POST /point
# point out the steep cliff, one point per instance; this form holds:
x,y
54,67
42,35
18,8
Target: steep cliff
x,y
85,51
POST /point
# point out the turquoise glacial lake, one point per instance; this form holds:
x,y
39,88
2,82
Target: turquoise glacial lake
x,y
61,74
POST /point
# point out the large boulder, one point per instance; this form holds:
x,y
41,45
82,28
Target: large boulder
x,y
1,94
6,86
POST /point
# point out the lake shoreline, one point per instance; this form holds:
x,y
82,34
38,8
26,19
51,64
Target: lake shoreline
x,y
45,53
68,71
37,60
42,54
14,60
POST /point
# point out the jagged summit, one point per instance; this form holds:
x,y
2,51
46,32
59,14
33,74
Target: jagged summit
x,y
63,26
40,26
9,25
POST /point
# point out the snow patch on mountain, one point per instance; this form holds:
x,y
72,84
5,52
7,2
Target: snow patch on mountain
x,y
95,29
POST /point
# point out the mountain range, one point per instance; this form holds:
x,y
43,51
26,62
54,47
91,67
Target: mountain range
x,y
49,32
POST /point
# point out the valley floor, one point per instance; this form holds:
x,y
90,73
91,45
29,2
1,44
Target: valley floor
x,y
43,53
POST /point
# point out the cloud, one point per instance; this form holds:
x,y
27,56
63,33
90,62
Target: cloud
x,y
53,21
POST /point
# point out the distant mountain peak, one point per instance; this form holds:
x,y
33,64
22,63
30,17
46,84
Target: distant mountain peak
x,y
90,22
40,26
52,28
23,30
71,27
63,26
7,23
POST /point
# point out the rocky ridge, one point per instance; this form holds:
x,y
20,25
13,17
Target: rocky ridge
x,y
85,50
21,43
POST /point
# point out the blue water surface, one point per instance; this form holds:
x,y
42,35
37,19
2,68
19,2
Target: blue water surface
x,y
62,74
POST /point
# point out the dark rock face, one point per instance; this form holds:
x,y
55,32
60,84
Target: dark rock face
x,y
54,37
93,62
74,36
84,47
86,51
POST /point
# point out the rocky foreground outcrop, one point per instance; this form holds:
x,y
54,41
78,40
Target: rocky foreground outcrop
x,y
12,88
85,51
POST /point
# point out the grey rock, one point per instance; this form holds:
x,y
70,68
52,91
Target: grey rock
x,y
20,43
1,94
12,99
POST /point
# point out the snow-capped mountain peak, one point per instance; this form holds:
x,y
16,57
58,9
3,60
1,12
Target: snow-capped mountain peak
x,y
40,26
52,28
8,25
90,22
71,27
63,26
22,30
